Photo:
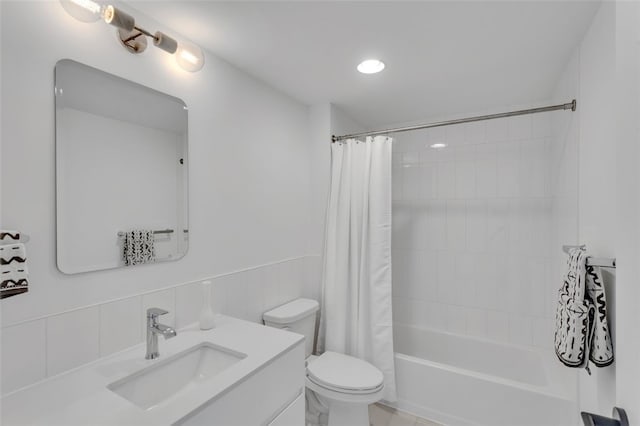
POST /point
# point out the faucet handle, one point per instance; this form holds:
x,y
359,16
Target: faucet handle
x,y
155,312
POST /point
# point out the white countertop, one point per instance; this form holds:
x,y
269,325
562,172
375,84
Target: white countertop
x,y
81,396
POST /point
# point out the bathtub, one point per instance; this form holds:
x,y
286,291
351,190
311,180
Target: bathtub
x,y
460,380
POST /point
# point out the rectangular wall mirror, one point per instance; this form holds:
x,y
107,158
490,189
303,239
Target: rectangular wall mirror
x,y
121,171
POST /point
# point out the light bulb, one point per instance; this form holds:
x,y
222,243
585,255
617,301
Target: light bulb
x,y
119,19
83,10
189,57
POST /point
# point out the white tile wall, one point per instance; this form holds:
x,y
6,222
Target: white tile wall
x,y
188,304
23,355
73,339
120,325
37,349
475,226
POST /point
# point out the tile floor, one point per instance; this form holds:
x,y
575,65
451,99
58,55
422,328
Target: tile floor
x,y
381,415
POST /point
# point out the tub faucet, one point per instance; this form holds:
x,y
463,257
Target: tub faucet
x,y
153,329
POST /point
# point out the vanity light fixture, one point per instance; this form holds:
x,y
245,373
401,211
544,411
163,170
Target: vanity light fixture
x,y
133,38
371,66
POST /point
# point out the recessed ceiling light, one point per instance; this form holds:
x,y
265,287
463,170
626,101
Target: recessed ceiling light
x,y
438,145
371,66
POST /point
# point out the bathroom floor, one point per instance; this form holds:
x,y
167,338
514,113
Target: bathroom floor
x,y
381,415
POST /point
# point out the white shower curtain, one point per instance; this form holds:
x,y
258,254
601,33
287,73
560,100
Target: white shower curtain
x,y
356,292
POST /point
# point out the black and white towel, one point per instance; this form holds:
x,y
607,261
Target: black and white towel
x,y
582,333
14,276
9,237
601,353
138,247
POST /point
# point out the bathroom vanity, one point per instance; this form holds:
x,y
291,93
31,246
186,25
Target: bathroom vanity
x,y
239,373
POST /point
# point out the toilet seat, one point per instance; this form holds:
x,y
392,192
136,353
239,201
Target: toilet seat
x,y
344,374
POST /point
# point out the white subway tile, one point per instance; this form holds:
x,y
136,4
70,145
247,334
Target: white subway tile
x,y
23,355
291,279
541,125
236,291
72,339
189,302
465,179
520,330
400,310
446,180
466,277
456,319
435,316
255,294
519,127
446,270
477,322
397,181
456,224
498,326
120,325
272,287
476,133
477,225
417,312
436,211
487,281
421,275
314,277
497,225
543,332
497,130
508,169
455,135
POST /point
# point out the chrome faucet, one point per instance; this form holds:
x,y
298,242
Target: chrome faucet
x,y
153,329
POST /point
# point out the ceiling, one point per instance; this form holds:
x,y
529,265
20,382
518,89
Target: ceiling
x,y
442,57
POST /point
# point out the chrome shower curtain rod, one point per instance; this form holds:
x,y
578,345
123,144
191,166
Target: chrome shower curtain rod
x,y
571,105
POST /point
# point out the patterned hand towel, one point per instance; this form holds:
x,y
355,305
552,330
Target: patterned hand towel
x,y
9,237
138,247
13,270
574,315
601,351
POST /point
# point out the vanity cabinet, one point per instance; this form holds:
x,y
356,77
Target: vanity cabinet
x,y
273,395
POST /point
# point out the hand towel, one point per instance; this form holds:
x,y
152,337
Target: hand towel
x,y
574,314
9,237
138,247
13,270
601,351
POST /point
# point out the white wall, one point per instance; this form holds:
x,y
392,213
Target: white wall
x,y
249,179
325,120
627,133
604,76
249,196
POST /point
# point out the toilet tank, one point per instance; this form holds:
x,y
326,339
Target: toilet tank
x,y
298,316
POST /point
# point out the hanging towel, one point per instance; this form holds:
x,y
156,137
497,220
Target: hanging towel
x,y
138,247
574,314
9,237
601,352
14,277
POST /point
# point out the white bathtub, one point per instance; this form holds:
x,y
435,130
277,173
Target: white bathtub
x,y
459,380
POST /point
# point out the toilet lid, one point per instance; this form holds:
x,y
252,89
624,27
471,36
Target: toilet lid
x,y
341,371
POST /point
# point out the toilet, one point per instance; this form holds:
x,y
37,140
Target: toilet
x,y
339,388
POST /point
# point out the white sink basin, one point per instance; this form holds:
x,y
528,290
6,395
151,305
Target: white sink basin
x,y
177,374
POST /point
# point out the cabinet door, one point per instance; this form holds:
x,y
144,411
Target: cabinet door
x,y
293,415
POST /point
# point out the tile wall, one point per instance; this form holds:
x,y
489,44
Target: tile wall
x,y
472,229
37,349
